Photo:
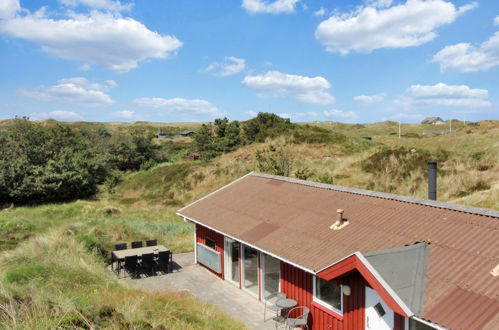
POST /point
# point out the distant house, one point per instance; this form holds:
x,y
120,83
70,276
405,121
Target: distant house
x,y
162,135
187,133
432,120
357,259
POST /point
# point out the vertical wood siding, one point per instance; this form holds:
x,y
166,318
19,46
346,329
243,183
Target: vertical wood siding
x,y
297,284
201,234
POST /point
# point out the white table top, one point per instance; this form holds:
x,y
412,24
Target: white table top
x,y
121,254
286,303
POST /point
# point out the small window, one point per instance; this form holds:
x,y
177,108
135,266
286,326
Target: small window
x,y
329,294
210,243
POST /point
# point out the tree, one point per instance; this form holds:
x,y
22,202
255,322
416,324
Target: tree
x,y
265,125
42,164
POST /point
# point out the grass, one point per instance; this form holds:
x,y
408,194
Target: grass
x,y
52,265
55,281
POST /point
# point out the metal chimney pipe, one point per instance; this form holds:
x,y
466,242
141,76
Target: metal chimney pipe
x,y
432,180
339,217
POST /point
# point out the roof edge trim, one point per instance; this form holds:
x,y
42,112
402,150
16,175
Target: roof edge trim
x,y
248,244
215,191
400,198
385,285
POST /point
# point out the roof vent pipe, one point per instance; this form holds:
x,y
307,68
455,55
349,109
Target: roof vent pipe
x,y
432,180
340,221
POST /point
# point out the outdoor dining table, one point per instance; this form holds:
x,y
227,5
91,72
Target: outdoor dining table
x,y
121,254
285,305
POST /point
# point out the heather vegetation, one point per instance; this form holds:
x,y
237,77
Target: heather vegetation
x,y
52,268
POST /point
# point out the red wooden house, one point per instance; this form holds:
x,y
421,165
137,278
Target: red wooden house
x,y
358,259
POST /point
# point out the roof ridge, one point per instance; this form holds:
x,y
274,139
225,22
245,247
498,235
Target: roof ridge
x,y
401,198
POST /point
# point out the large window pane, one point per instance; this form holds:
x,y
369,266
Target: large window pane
x,y
234,261
251,270
271,274
328,293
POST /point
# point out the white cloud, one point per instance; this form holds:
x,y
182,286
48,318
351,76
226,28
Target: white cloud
x,y
114,42
305,89
496,20
76,90
445,95
57,114
269,7
124,114
251,113
8,8
335,113
379,3
370,98
180,106
403,25
299,116
98,4
320,12
465,57
65,114
230,66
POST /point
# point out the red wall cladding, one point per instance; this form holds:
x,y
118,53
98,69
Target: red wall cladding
x,y
202,233
297,285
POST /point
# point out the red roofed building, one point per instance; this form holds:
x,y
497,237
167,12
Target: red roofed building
x,y
358,259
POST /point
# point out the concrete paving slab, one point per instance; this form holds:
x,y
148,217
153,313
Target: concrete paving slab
x,y
205,286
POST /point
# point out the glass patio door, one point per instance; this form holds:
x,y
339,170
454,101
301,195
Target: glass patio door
x,y
271,274
232,253
250,270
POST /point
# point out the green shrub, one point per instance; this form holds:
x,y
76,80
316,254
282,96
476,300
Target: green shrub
x,y
304,173
326,178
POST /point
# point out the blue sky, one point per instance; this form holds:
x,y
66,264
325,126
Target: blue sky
x,y
171,61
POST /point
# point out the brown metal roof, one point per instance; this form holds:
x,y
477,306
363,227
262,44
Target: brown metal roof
x,y
291,220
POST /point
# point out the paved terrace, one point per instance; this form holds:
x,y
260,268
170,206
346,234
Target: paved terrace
x,y
205,286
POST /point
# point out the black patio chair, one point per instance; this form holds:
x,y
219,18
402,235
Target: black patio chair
x,y
117,247
147,264
137,244
151,242
163,262
120,246
132,266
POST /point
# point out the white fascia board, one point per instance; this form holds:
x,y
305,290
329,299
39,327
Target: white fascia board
x,y
246,243
385,285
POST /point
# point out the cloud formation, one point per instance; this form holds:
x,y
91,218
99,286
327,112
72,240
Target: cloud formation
x,y
230,66
372,27
179,105
466,57
105,39
445,95
370,98
57,114
9,8
269,7
277,84
98,4
335,113
78,91
299,116
124,114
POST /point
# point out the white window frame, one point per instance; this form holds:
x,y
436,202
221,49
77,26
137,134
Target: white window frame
x,y
325,304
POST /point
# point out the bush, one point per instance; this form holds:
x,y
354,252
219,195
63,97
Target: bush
x,y
275,160
303,173
265,125
42,164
